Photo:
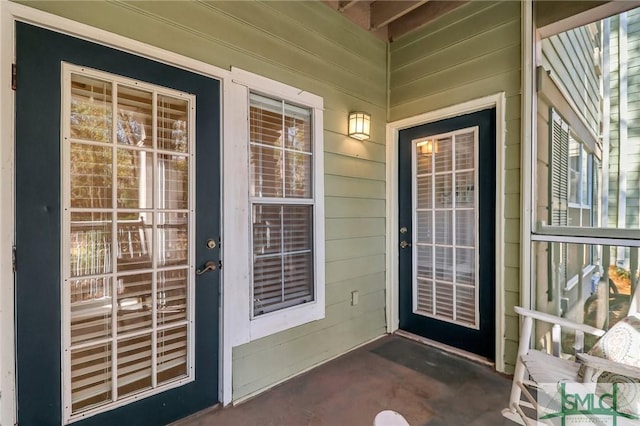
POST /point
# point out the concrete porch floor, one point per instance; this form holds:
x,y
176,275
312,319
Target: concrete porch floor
x,y
424,384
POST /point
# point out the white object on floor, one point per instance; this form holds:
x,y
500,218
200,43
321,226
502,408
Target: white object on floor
x,y
389,418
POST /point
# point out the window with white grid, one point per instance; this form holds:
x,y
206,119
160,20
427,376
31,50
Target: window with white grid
x,y
127,249
282,203
445,227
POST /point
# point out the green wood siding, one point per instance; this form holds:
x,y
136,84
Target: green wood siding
x,y
309,46
471,52
578,77
632,141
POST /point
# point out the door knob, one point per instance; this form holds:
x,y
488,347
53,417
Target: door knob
x,y
209,266
404,244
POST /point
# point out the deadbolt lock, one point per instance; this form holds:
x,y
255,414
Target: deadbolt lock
x,y
403,230
211,243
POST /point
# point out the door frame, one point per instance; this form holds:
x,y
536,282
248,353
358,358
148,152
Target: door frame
x,y
496,101
10,13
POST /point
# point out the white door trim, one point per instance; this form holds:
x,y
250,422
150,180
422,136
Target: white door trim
x,y
498,101
10,13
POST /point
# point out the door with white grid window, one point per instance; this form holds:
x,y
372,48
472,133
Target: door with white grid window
x,y
117,195
447,231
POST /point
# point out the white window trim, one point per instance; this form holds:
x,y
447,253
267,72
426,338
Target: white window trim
x,y
243,327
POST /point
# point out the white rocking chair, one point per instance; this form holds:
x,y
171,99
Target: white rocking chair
x,y
536,367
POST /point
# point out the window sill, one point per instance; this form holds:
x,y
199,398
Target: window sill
x,y
275,322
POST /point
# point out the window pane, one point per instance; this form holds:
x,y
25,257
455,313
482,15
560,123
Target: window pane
x,y
90,377
286,279
298,124
173,180
596,292
134,242
91,109
267,283
134,364
135,115
298,229
134,302
265,120
90,309
135,179
173,122
172,354
173,239
298,278
465,151
91,173
298,172
172,296
90,244
424,192
266,172
267,229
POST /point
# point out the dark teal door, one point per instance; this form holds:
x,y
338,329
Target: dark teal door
x,y
126,251
447,231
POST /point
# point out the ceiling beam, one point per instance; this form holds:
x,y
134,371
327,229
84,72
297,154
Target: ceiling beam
x,y
383,12
345,4
420,17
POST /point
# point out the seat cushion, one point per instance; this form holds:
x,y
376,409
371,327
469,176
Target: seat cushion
x,y
621,343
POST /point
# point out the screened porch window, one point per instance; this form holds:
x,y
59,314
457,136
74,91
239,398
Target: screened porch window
x,y
282,201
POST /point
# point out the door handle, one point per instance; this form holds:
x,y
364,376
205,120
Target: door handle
x,y
209,266
404,244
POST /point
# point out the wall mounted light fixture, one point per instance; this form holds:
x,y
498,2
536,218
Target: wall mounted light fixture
x,y
428,147
359,125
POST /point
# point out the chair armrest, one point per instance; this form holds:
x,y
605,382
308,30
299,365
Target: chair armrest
x,y
600,364
562,322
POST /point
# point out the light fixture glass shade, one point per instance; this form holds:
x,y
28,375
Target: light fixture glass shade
x,y
359,125
428,147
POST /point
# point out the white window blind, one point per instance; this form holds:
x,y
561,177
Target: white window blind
x,y
282,200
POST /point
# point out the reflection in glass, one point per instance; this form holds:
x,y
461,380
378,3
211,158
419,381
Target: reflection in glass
x,y
298,172
90,309
173,238
172,124
134,243
172,296
135,179
134,302
135,117
91,109
90,244
173,180
266,172
91,176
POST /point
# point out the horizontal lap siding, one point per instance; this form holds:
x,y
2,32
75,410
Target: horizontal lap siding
x,y
309,46
471,52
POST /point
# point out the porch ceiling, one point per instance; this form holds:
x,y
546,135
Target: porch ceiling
x,y
391,19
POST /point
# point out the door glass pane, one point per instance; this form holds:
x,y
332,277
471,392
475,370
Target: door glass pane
x,y
91,176
134,364
135,179
444,228
135,117
172,124
128,218
90,377
172,296
91,109
172,354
